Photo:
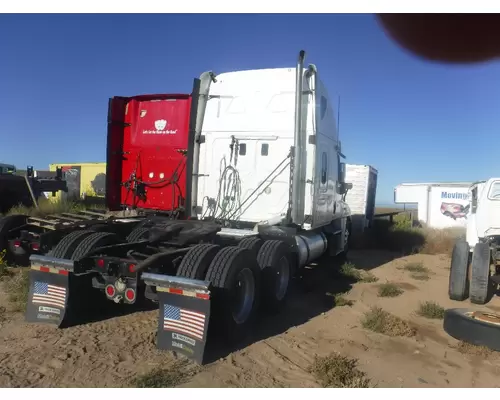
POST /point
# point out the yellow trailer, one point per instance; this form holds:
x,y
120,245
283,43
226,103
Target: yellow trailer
x,y
84,180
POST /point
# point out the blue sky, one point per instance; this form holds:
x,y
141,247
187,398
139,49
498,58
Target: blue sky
x,y
413,121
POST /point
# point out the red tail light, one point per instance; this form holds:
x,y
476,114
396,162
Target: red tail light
x,y
17,243
110,290
100,263
130,294
131,268
35,246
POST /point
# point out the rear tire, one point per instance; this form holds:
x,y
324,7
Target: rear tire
x,y
480,285
275,262
138,234
94,241
458,285
251,243
235,277
67,245
197,260
342,257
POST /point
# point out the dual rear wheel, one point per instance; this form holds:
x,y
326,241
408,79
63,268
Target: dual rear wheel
x,y
255,274
470,274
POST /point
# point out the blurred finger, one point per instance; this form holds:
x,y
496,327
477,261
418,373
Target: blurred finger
x,y
458,38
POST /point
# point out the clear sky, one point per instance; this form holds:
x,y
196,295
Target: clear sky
x,y
413,121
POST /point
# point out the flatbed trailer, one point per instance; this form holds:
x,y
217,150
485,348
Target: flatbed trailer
x,y
244,232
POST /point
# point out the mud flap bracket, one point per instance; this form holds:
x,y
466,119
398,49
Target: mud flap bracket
x,y
184,314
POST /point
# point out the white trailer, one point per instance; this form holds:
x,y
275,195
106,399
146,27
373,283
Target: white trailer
x,y
361,197
440,205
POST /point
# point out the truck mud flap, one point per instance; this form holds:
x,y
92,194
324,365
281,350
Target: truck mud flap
x,y
184,314
49,290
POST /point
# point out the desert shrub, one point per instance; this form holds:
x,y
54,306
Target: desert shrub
x,y
175,374
338,371
350,272
47,207
18,289
440,241
431,310
381,321
417,271
341,301
406,236
389,290
4,270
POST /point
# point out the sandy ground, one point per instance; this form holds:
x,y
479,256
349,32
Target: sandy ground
x,y
110,353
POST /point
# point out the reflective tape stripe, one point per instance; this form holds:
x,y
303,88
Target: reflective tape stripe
x,y
50,269
189,293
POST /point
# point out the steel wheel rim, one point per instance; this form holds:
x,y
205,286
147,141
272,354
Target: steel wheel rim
x,y
486,317
283,277
244,293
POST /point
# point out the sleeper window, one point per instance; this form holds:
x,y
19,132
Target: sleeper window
x,y
495,191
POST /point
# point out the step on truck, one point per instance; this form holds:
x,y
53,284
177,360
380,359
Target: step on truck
x,y
264,197
145,175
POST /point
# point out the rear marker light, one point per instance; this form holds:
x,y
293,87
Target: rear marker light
x,y
175,291
131,268
35,246
100,263
17,243
130,294
110,290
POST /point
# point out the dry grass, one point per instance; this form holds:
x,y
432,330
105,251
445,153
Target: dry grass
x,y
380,321
5,272
368,277
349,271
341,301
47,207
174,375
431,310
418,271
3,313
473,350
440,241
407,236
17,289
389,290
338,371
416,267
420,277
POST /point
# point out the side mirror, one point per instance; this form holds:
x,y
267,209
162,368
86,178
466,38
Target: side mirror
x,y
344,187
342,172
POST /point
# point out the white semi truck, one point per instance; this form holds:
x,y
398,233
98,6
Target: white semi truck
x,y
265,167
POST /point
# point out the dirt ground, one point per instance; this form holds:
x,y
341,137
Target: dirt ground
x,y
111,352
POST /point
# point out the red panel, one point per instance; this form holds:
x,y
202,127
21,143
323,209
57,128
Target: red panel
x,y
154,139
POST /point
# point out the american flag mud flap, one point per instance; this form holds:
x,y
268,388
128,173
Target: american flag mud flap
x,y
49,289
184,313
